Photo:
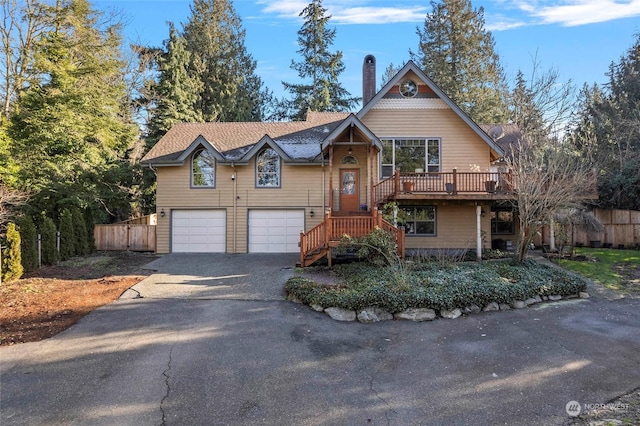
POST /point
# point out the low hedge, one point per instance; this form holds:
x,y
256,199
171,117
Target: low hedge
x,y
396,288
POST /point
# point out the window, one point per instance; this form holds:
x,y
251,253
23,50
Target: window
x,y
419,220
409,155
268,169
502,221
203,169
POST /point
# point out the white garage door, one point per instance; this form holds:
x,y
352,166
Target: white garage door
x,y
275,231
198,231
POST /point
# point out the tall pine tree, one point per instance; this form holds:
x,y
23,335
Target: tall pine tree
x,y
320,67
458,54
230,90
72,126
176,91
609,122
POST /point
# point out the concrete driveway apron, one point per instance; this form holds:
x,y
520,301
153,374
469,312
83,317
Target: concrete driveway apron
x,y
211,343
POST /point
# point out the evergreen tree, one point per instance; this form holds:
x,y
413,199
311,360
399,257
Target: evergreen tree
x,y
320,67
609,122
28,238
48,237
11,257
458,54
176,91
230,90
67,235
72,125
89,226
79,233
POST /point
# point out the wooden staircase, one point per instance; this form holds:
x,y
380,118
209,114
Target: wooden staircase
x,y
320,240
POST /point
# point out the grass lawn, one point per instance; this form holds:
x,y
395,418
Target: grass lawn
x,y
615,269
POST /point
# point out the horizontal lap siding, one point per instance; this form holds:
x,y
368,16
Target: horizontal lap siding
x,y
301,188
461,146
455,227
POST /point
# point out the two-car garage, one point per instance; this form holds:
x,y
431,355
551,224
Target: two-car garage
x,y
205,231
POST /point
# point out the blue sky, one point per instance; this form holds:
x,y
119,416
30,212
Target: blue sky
x,y
580,38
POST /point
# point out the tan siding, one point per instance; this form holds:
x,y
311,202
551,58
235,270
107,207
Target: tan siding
x,y
456,228
301,189
461,146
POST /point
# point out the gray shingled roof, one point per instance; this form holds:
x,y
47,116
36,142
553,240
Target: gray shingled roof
x,y
300,139
508,139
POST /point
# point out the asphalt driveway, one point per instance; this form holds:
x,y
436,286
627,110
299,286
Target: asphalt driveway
x,y
213,354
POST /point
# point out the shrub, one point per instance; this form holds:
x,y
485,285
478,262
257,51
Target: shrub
x,y
89,225
29,244
377,247
461,285
11,258
80,233
48,236
67,236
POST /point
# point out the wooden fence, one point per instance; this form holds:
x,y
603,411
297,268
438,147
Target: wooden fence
x,y
124,236
621,228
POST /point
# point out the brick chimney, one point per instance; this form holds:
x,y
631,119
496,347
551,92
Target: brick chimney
x,y
368,79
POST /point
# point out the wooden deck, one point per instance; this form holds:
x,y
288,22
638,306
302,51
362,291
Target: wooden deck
x,y
444,185
319,241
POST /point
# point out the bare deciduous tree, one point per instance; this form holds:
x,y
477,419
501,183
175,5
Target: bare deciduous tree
x,y
547,178
10,200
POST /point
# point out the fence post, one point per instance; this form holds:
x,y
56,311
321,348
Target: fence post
x,y
39,244
58,241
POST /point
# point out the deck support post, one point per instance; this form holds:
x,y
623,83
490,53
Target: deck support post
x,y
479,232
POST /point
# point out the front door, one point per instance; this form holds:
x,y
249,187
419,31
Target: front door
x,y
349,190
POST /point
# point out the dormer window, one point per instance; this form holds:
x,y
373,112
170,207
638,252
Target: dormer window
x,y
268,169
203,169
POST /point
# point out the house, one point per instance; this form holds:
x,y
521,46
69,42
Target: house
x,y
298,186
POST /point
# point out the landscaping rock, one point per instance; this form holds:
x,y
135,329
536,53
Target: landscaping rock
x,y
545,298
317,308
373,314
555,297
530,301
471,309
450,314
340,314
584,295
505,307
538,299
518,304
417,314
493,306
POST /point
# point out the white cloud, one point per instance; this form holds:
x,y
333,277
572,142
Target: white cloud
x,y
379,15
581,12
342,12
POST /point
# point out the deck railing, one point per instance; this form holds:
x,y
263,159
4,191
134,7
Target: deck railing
x,y
441,183
330,231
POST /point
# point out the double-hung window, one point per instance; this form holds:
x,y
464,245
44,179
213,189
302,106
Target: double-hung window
x,y
268,169
419,220
203,169
410,155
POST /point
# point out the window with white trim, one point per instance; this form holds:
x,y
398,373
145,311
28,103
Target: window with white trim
x,y
203,169
419,220
268,169
409,155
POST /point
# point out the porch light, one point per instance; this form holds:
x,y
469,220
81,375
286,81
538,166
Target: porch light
x,y
350,151
162,213
312,213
